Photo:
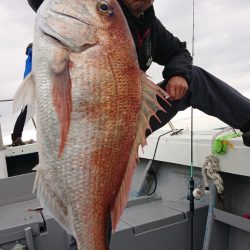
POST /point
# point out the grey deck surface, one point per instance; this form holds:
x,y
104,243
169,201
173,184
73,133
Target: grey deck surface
x,y
148,222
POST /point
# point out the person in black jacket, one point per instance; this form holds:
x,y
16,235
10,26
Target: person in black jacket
x,y
187,85
16,136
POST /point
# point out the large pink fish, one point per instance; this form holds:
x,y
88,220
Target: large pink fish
x,y
93,104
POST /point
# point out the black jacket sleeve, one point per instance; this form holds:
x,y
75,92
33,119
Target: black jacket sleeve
x,y
171,53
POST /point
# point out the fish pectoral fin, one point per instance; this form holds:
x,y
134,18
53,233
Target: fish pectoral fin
x,y
62,101
149,107
25,96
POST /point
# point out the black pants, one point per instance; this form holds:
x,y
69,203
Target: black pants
x,y
19,125
210,95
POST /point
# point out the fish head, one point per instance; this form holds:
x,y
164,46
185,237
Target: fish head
x,y
80,24
95,31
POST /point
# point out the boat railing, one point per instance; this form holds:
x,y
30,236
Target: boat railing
x,y
1,134
3,164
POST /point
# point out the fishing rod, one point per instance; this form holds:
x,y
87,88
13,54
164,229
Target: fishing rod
x,y
6,100
191,181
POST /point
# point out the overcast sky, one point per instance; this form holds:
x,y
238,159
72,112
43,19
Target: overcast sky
x,y
222,43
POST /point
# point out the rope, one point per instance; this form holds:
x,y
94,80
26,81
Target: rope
x,y
210,167
19,247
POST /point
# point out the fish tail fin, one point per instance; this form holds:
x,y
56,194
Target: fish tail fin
x,y
62,101
25,96
149,107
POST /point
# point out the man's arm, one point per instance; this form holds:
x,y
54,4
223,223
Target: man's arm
x,y
172,53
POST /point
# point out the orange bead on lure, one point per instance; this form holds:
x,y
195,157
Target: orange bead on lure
x,y
93,104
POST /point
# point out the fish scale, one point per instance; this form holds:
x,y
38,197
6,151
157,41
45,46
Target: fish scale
x,y
93,107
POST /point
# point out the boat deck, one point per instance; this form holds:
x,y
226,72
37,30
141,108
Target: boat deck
x,y
157,222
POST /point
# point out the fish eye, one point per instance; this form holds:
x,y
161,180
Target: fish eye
x,y
104,8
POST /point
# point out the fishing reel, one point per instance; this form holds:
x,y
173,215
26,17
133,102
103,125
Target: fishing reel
x,y
200,192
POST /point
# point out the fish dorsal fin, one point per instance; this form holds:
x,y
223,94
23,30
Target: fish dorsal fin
x,y
149,106
62,101
25,96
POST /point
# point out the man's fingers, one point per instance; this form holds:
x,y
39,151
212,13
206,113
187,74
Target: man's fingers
x,y
180,95
183,91
176,88
171,92
177,94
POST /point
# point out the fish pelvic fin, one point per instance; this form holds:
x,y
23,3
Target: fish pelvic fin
x,y
62,101
149,107
25,96
52,202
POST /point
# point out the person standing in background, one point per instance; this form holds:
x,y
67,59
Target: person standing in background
x,y
16,136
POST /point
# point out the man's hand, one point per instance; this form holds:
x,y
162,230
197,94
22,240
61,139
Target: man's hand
x,y
176,88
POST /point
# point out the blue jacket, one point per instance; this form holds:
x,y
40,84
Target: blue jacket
x,y
28,63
